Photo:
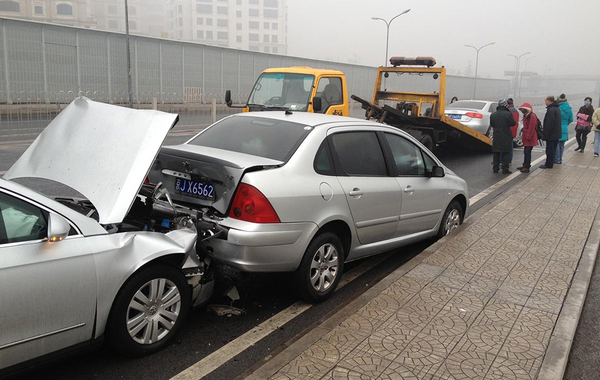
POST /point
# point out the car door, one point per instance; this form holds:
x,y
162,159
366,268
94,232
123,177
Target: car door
x,y
48,290
373,196
423,197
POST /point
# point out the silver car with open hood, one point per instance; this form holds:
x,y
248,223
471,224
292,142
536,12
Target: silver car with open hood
x,y
120,263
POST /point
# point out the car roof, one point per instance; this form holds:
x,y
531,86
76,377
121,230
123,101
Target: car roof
x,y
314,120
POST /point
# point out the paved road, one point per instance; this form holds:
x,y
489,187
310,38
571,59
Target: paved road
x,y
262,297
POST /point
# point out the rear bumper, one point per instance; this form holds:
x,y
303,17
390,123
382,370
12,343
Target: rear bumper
x,y
251,247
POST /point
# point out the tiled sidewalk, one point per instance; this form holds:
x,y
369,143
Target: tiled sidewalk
x,y
483,305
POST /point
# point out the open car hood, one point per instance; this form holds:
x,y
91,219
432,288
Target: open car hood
x,y
102,151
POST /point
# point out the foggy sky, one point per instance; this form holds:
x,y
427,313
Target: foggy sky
x,y
562,36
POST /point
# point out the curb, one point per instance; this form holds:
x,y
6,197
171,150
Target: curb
x,y
559,348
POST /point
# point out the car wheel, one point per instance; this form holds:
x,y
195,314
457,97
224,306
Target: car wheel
x,y
490,133
321,268
452,219
148,311
427,141
519,140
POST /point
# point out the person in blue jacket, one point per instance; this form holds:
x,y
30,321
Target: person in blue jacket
x,y
566,117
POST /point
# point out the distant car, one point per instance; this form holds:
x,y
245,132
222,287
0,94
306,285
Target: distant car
x,y
305,193
120,264
476,114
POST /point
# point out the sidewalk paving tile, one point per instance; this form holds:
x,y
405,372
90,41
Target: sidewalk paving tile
x,y
484,305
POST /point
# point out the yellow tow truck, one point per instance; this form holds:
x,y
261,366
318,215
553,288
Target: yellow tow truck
x,y
419,113
303,89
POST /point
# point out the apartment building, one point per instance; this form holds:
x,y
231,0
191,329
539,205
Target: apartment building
x,y
256,25
146,17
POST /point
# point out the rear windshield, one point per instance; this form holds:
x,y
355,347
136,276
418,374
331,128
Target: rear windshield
x,y
275,139
466,104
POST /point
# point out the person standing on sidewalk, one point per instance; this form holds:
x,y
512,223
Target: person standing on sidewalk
x,y
566,113
530,138
552,131
596,124
501,121
583,127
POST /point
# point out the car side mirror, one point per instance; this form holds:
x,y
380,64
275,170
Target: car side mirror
x,y
437,171
228,98
317,104
58,228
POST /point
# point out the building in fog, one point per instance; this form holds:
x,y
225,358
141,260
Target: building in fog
x,y
73,12
256,25
146,17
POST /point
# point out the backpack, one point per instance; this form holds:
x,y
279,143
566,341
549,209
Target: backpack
x,y
539,129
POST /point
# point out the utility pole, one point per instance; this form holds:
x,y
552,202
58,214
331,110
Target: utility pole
x,y
387,24
477,65
129,89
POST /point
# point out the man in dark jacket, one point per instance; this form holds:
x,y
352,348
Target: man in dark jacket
x,y
501,121
552,131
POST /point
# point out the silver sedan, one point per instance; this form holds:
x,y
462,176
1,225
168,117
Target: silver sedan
x,y
119,264
305,193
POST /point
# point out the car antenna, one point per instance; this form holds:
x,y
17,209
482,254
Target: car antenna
x,y
288,112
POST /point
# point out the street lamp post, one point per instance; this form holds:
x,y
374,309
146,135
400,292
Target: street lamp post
x,y
128,56
517,60
477,64
387,24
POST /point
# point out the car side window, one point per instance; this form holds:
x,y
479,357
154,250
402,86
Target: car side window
x,y
359,153
20,221
323,162
429,162
407,156
493,107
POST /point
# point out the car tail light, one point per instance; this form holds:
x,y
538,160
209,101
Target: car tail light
x,y
474,115
251,205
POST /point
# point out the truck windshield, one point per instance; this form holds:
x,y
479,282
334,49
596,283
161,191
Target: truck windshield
x,y
283,91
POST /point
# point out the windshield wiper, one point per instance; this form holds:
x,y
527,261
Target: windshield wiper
x,y
263,107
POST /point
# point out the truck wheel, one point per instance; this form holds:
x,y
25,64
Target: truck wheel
x,y
321,268
148,311
427,141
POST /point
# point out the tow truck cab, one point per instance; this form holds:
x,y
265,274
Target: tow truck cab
x,y
302,89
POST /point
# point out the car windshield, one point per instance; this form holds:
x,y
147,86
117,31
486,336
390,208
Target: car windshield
x,y
281,91
473,105
269,138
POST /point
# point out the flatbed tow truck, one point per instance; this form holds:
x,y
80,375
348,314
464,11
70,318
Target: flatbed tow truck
x,y
418,113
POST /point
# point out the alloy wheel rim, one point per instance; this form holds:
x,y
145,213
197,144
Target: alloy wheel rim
x,y
324,267
153,311
452,221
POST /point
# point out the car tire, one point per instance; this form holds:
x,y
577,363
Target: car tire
x,y
490,133
427,141
160,319
452,218
314,280
518,142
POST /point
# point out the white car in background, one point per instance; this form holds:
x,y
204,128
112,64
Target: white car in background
x,y
476,114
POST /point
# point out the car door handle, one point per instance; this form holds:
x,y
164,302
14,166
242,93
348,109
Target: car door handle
x,y
409,189
356,192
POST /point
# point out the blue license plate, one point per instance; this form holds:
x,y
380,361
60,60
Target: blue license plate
x,y
195,188
455,116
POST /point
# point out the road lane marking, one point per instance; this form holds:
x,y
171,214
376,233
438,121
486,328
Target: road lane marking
x,y
216,359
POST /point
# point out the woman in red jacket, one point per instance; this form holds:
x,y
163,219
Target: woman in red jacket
x,y
530,138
